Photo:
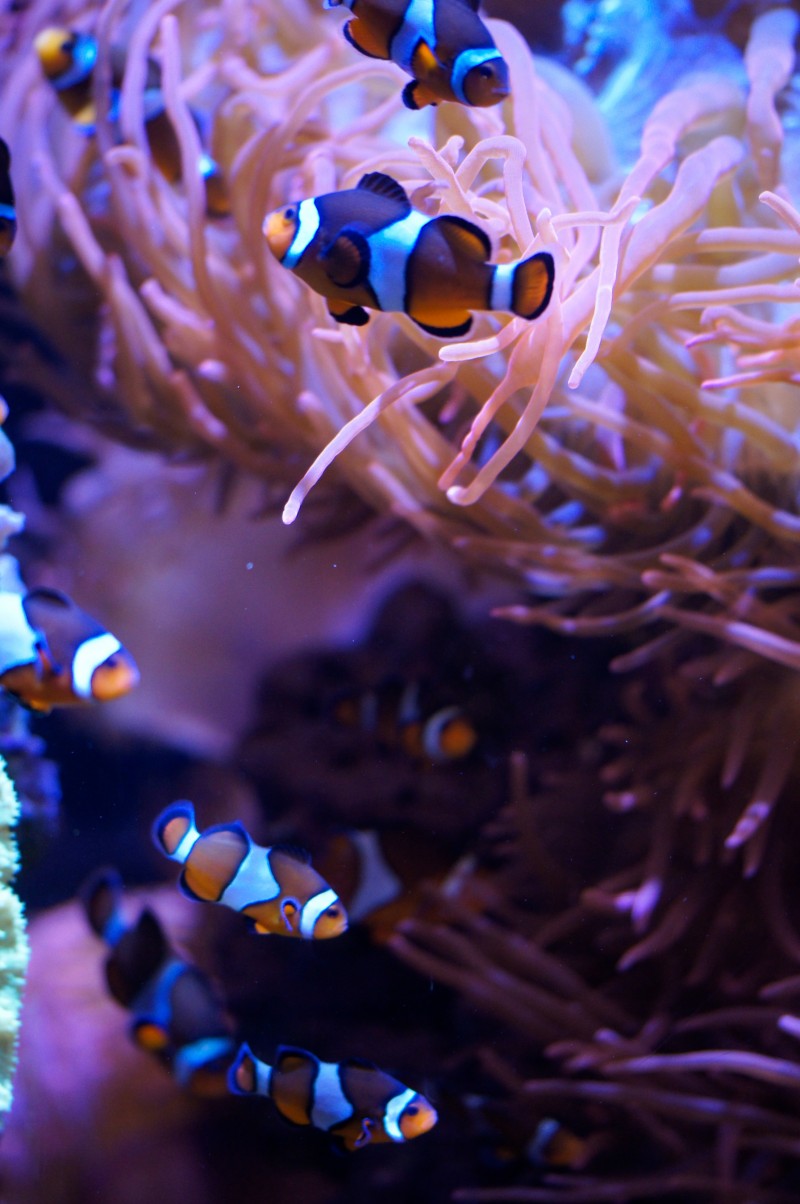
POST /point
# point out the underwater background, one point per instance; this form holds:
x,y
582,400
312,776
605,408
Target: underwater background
x,y
502,629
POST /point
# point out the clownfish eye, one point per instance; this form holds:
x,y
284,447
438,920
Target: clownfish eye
x,y
290,214
485,72
68,46
412,1110
333,911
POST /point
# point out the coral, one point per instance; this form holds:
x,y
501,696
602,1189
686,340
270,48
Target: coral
x,y
13,942
591,456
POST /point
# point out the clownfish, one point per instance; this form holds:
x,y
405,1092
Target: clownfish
x,y
176,1014
52,653
352,1100
367,247
395,717
68,57
382,876
276,888
8,212
443,44
556,1147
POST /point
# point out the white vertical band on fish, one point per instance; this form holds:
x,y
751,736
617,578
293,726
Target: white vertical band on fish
x,y
418,25
331,1106
389,252
314,909
394,1110
307,227
502,287
254,882
88,657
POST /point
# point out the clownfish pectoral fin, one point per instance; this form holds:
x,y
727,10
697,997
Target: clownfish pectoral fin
x,y
416,96
446,332
346,260
383,185
365,1136
423,61
289,909
532,285
348,315
243,1074
101,894
363,39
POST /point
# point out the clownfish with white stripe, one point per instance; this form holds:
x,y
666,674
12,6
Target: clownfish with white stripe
x,y
276,888
353,1101
386,877
176,1014
443,44
8,211
367,248
68,57
395,715
52,653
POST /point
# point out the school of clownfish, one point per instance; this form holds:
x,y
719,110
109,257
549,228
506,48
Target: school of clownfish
x,y
362,249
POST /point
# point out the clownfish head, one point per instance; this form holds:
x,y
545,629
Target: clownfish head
x,y
408,1116
279,229
65,53
486,83
114,677
417,1118
320,918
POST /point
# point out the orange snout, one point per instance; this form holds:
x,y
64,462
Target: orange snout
x,y
417,1118
279,229
116,677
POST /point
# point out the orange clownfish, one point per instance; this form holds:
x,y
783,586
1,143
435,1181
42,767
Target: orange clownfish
x,y
175,1011
396,717
354,1101
382,877
366,248
52,653
275,888
8,211
67,58
443,44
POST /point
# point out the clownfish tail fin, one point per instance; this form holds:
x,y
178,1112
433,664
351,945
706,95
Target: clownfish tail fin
x,y
175,831
248,1075
101,895
532,285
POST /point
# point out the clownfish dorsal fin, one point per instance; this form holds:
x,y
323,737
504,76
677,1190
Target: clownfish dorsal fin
x,y
346,259
101,894
290,1057
295,851
357,1064
379,183
463,237
137,957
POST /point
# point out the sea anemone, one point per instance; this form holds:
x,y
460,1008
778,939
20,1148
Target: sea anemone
x,y
613,456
